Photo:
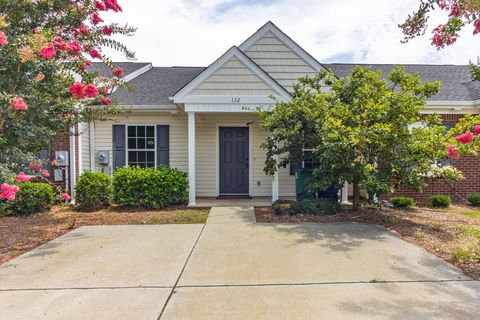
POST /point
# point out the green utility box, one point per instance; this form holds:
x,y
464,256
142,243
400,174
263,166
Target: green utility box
x,y
302,178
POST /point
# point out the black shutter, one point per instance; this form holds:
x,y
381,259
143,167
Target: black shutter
x,y
163,145
119,146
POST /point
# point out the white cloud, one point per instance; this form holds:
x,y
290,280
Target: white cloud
x,y
196,32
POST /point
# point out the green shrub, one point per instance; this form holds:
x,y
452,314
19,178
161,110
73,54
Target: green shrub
x,y
474,198
93,190
149,187
440,201
321,206
402,202
282,206
33,197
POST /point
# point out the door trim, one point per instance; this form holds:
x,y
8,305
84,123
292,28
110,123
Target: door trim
x,y
217,154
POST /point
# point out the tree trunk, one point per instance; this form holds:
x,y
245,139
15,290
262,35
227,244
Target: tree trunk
x,y
356,194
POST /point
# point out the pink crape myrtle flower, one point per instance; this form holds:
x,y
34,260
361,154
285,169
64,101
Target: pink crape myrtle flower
x,y
3,39
78,90
106,101
100,6
66,197
95,54
107,30
22,177
118,71
19,104
45,173
477,27
40,77
91,91
96,19
464,138
8,192
476,129
453,152
48,52
74,48
112,5
36,167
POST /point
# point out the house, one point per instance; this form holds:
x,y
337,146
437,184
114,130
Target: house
x,y
202,120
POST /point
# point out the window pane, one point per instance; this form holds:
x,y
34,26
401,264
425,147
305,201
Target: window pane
x,y
150,143
150,165
142,156
132,131
151,156
141,131
151,131
141,143
132,156
132,143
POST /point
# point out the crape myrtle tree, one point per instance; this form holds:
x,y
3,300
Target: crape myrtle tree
x,y
46,88
363,129
460,14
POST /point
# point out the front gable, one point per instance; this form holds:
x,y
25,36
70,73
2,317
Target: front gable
x,y
277,54
232,77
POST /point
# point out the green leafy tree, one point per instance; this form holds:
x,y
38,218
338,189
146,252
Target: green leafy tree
x,y
363,129
46,88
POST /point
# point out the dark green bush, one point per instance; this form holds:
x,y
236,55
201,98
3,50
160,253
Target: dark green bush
x,y
282,206
149,187
33,197
474,198
440,201
93,190
320,206
402,202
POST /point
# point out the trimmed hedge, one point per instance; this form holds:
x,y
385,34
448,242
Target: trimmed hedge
x,y
93,190
33,197
402,202
440,201
149,187
320,206
474,198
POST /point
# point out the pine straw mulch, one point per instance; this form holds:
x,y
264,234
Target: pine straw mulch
x,y
19,234
439,231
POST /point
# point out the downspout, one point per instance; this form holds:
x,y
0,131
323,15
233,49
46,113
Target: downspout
x,y
72,165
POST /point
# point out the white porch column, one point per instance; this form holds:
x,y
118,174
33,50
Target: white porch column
x,y
275,184
191,159
345,193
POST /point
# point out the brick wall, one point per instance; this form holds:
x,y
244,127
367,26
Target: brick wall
x,y
470,166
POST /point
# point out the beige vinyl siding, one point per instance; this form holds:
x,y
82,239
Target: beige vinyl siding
x,y
207,153
233,78
279,61
286,183
178,135
85,150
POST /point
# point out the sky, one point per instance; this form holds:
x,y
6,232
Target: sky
x,y
196,32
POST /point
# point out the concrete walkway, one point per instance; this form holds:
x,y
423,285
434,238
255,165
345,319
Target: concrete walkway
x,y
234,268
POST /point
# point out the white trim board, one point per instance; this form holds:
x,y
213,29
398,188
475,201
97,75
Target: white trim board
x,y
233,52
286,40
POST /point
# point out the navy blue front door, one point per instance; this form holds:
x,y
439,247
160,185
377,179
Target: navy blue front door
x,y
234,160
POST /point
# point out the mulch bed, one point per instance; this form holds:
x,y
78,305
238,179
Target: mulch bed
x,y
433,229
19,234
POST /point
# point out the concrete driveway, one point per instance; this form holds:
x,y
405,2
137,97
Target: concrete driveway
x,y
233,268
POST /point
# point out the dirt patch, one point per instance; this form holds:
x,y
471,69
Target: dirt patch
x,y
19,234
439,231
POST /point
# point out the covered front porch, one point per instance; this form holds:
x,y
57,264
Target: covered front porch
x,y
225,158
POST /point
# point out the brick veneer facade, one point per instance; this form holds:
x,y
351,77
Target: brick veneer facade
x,y
458,191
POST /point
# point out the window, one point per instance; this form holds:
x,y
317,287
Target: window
x,y
448,125
141,146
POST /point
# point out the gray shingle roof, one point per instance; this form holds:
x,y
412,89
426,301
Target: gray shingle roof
x,y
155,86
457,84
128,67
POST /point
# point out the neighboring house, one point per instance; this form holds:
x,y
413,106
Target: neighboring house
x,y
202,120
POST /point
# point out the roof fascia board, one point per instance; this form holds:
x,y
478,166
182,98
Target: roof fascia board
x,y
217,64
286,40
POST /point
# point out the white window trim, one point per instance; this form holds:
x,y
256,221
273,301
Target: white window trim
x,y
154,143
